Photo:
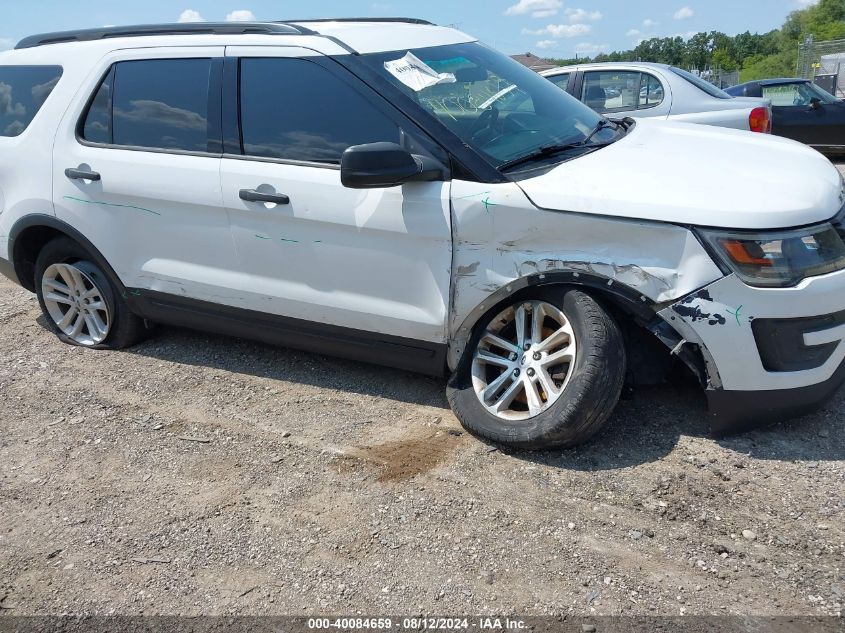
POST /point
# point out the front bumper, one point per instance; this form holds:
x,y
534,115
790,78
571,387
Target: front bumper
x,y
733,411
770,353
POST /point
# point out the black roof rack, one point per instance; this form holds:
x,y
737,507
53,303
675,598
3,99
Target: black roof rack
x,y
402,20
224,28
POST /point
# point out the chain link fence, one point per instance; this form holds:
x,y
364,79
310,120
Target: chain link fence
x,y
717,76
823,62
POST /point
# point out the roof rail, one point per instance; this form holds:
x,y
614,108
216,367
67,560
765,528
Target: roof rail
x,y
402,20
221,28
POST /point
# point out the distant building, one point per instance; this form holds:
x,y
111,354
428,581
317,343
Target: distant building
x,y
533,62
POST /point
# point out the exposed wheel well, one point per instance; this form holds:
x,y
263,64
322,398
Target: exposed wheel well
x,y
28,244
650,360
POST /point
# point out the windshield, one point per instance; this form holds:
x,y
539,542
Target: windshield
x,y
493,104
796,94
701,84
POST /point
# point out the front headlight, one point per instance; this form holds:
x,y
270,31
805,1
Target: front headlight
x,y
779,259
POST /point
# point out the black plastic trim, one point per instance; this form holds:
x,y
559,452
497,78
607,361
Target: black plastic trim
x,y
7,269
230,107
781,342
380,349
282,161
733,411
214,127
141,30
377,20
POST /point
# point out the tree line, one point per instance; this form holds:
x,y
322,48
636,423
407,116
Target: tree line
x,y
756,56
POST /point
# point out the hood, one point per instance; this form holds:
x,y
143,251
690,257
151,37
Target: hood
x,y
695,174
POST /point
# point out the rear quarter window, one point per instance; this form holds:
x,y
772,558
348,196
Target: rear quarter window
x,y
701,84
23,90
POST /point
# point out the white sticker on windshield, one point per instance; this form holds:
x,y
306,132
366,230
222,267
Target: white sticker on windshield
x,y
416,74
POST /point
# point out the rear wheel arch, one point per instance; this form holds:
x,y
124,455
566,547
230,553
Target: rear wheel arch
x,y
31,234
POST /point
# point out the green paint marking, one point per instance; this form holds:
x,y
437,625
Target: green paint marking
x,y
487,204
112,204
473,195
261,237
736,314
284,239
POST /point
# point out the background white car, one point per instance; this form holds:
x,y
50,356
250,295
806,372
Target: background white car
x,y
640,89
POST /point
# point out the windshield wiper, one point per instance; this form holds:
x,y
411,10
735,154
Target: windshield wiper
x,y
551,150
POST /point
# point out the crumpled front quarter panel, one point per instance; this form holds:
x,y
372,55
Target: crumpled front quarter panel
x,y
501,241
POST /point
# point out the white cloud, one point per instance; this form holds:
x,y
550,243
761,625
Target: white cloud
x,y
561,30
537,8
580,15
240,15
189,15
6,43
585,48
684,13
546,44
686,34
633,33
806,3
648,23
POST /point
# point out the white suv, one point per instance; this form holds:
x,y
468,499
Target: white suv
x,y
336,186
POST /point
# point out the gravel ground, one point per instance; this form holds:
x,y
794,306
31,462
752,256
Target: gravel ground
x,y
197,474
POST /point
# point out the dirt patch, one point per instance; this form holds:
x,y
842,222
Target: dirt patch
x,y
404,459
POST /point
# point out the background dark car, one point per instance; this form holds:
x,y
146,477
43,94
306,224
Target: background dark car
x,y
802,111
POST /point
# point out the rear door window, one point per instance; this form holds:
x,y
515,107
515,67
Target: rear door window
x,y
23,90
611,90
155,103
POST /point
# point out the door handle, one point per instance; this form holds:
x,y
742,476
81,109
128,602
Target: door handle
x,y
81,174
251,195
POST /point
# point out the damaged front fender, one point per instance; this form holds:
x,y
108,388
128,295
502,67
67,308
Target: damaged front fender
x,y
504,244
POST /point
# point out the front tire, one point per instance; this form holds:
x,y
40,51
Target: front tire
x,y
80,304
544,372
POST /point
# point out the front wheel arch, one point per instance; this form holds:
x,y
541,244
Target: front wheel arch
x,y
620,299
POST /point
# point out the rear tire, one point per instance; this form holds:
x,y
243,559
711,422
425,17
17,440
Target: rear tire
x,y
81,306
571,366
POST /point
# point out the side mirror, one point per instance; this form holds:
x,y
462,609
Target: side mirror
x,y
377,165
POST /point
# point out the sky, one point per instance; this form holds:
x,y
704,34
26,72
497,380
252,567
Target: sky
x,y
552,28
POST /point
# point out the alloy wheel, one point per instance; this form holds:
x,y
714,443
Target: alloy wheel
x,y
524,360
75,304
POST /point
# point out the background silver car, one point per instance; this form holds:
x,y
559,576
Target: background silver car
x,y
640,89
